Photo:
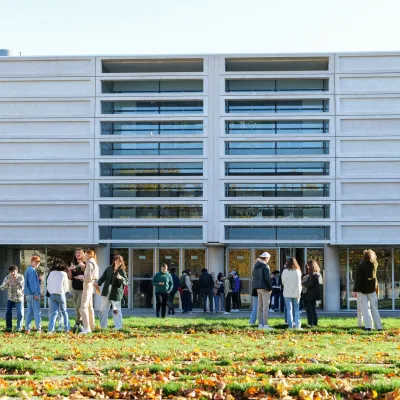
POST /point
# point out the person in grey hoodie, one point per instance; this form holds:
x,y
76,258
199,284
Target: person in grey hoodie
x,y
262,282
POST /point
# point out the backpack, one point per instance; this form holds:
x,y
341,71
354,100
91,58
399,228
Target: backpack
x,y
182,283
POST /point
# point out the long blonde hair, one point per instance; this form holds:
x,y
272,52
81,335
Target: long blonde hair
x,y
91,254
370,255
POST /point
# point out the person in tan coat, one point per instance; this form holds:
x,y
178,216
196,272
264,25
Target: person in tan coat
x,y
89,278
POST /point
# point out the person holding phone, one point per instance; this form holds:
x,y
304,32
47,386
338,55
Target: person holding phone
x,y
76,269
114,279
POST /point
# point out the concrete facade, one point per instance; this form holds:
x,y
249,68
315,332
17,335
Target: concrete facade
x,y
54,113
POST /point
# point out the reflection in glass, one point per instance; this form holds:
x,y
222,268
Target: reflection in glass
x,y
151,148
276,148
276,106
276,211
240,261
276,85
277,233
397,279
195,260
273,261
151,233
152,107
153,86
151,211
276,168
277,189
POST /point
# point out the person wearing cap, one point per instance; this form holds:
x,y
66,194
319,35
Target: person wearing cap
x,y
262,282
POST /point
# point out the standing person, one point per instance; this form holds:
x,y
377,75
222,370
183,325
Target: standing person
x,y
14,283
206,284
114,279
228,290
291,280
163,284
32,294
216,293
253,315
186,286
365,288
76,269
262,282
313,292
276,290
235,292
220,279
89,277
175,280
57,286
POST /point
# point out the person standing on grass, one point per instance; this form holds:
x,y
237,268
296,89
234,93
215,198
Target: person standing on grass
x,y
32,295
216,293
262,282
14,283
57,286
313,292
171,296
185,284
89,277
76,269
114,279
220,279
228,290
163,284
206,288
365,288
253,315
291,281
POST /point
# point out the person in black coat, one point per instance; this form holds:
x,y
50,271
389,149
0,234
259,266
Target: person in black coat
x,y
313,292
206,288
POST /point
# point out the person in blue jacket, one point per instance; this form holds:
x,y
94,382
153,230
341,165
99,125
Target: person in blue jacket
x,y
32,295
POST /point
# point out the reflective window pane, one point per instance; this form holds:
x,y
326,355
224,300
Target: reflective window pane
x,y
151,233
276,106
277,233
240,261
277,169
151,148
195,260
276,148
397,279
276,211
150,211
276,85
273,261
151,107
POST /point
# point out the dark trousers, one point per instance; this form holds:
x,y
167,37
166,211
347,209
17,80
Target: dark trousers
x,y
281,302
161,303
228,300
275,295
209,296
171,307
186,301
235,300
20,314
311,310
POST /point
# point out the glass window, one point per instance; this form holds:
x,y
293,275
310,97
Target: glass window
x,y
151,169
277,233
343,279
397,279
152,128
153,86
142,288
150,107
151,233
275,127
273,261
277,189
276,211
276,148
277,169
169,257
276,106
239,260
195,260
151,211
143,263
384,277
151,148
276,85
151,190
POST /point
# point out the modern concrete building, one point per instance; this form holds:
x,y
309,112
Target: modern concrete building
x,y
204,160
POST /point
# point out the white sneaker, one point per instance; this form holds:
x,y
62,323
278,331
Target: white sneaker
x,y
268,327
85,331
260,326
236,310
226,312
300,329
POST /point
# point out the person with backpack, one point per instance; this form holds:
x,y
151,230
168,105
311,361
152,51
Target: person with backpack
x,y
176,284
185,285
206,288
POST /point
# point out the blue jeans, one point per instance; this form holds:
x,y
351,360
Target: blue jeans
x,y
33,312
292,308
20,314
216,303
253,315
58,302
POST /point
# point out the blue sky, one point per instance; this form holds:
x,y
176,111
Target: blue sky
x,y
51,27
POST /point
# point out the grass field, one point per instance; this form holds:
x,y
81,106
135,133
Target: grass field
x,y
205,358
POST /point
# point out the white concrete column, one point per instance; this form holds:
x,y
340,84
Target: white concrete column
x,y
216,260
103,261
331,279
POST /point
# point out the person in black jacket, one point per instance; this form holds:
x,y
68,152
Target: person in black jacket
x,y
365,287
262,282
206,288
313,292
175,280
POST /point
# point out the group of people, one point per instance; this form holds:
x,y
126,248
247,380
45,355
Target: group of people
x,y
219,294
84,276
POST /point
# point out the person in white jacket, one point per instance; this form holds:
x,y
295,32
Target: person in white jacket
x,y
57,286
291,281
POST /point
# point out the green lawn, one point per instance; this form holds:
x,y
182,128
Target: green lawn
x,y
204,358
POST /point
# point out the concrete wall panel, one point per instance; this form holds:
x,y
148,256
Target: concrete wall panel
x,y
368,147
369,190
370,168
368,126
369,105
368,63
370,212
